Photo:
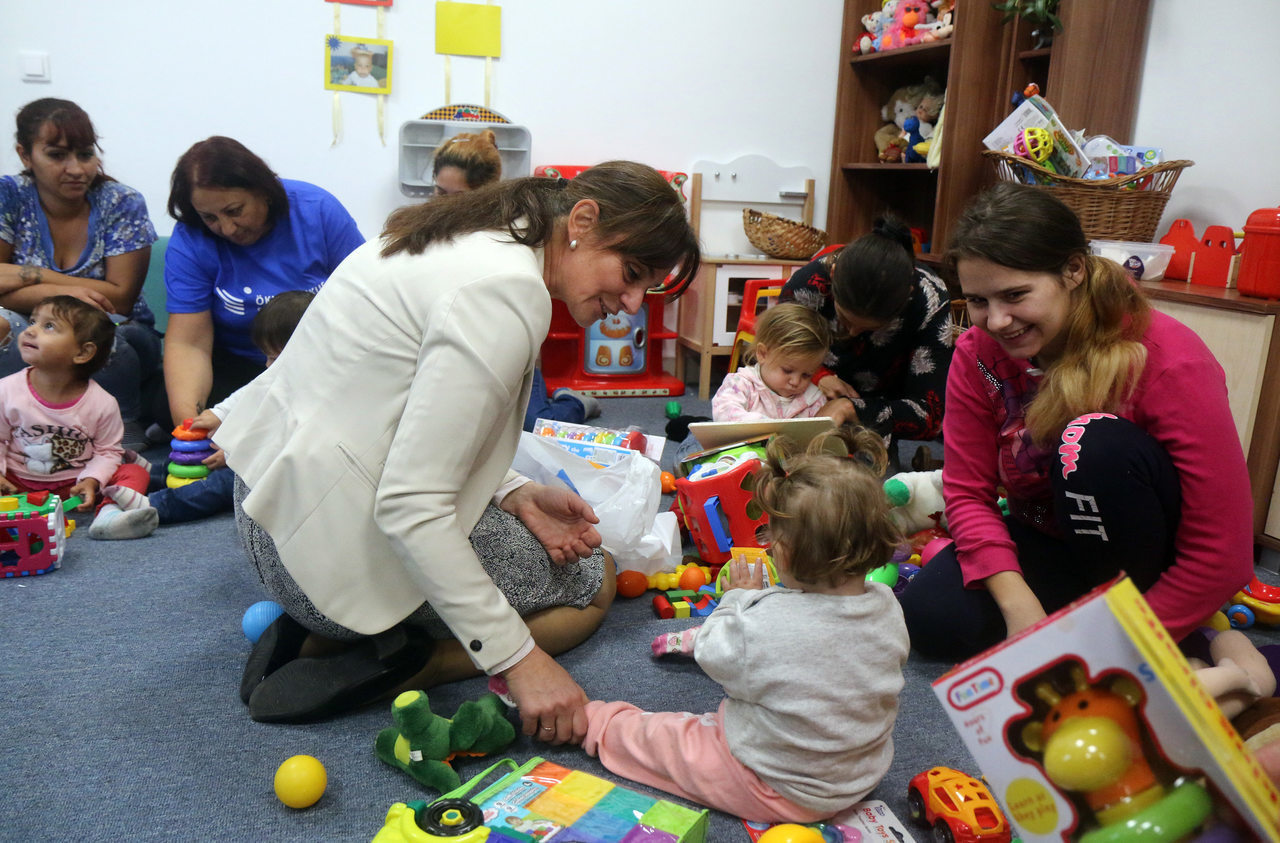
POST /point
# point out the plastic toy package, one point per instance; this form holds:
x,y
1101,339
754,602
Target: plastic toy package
x,y
1092,726
540,800
600,444
1035,113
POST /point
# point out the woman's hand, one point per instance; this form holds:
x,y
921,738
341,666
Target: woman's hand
x,y
558,518
87,491
833,388
1018,603
742,574
92,297
549,701
840,410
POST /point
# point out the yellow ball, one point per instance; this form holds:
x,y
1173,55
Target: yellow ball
x,y
791,833
300,781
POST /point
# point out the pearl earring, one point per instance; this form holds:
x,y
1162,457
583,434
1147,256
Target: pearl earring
x,y
573,244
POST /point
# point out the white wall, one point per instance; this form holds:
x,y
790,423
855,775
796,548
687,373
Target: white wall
x,y
1207,96
668,82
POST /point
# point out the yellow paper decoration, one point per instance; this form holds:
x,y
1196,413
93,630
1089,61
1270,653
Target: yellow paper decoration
x,y
468,29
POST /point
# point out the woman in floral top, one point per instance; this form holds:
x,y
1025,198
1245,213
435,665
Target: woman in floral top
x,y
892,323
67,228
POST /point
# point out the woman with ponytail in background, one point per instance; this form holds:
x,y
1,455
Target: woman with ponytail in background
x,y
1104,422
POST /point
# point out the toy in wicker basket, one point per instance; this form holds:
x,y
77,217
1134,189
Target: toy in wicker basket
x,y
1121,208
782,238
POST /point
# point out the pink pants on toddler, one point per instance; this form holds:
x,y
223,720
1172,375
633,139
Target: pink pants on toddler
x,y
686,755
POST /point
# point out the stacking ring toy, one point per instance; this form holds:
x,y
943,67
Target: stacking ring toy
x,y
189,444
189,457
188,434
178,482
195,472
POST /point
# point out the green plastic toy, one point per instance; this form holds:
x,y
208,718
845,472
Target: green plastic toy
x,y
422,743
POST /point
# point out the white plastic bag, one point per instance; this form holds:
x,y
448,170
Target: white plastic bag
x,y
625,498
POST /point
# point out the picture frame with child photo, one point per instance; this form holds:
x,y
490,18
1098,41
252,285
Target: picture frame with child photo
x,y
361,65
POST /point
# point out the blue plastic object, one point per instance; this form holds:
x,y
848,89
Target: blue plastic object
x,y
258,617
712,509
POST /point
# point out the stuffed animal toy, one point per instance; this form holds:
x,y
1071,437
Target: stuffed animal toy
x,y
901,105
908,26
944,13
916,497
911,128
874,24
928,110
423,743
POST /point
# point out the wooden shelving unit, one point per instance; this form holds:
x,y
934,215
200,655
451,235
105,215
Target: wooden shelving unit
x,y
1090,75
862,188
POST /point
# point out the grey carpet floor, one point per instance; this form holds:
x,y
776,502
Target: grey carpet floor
x,y
120,716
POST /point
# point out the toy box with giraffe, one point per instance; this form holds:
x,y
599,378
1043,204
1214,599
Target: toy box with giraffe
x,y
1092,726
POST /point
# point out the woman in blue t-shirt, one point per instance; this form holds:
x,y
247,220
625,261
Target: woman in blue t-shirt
x,y
66,228
243,236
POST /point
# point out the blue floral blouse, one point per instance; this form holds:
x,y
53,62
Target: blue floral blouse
x,y
118,224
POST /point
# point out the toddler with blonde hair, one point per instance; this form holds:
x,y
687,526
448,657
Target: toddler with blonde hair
x,y
811,666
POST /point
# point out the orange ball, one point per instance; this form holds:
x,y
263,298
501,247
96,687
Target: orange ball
x,y
692,579
668,483
632,583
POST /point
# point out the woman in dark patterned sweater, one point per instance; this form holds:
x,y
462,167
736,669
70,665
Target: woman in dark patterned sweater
x,y
892,322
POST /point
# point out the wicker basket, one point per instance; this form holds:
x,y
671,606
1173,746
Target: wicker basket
x,y
1121,208
782,238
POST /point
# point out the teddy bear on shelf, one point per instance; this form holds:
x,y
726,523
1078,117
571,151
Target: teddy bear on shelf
x,y
890,141
874,24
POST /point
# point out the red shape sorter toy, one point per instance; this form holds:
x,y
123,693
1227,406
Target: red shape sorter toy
x,y
720,511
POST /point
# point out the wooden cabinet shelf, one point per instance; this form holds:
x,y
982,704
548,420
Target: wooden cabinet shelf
x,y
1244,334
967,65
1089,74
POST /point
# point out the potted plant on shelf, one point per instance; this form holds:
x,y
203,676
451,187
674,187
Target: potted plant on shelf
x,y
1042,14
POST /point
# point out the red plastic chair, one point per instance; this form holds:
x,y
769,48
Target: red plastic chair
x,y
754,290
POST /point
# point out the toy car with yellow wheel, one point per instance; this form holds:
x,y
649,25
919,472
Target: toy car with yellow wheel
x,y
958,807
1256,603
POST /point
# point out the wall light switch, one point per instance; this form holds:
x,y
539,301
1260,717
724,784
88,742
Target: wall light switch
x,y
33,66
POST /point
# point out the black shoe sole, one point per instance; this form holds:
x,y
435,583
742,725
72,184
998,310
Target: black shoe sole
x,y
306,690
278,645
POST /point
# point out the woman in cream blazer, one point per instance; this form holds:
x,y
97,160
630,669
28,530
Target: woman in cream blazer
x,y
374,456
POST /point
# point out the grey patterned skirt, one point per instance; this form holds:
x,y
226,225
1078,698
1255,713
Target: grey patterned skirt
x,y
511,556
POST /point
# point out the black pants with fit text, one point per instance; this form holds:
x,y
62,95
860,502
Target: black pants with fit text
x,y
1116,501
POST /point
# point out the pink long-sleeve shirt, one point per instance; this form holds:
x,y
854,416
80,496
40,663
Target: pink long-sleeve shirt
x,y
1180,400
49,445
743,396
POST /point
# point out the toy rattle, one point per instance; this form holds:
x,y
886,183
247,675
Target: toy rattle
x,y
1035,144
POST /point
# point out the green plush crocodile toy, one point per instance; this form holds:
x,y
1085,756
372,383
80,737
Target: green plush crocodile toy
x,y
423,743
